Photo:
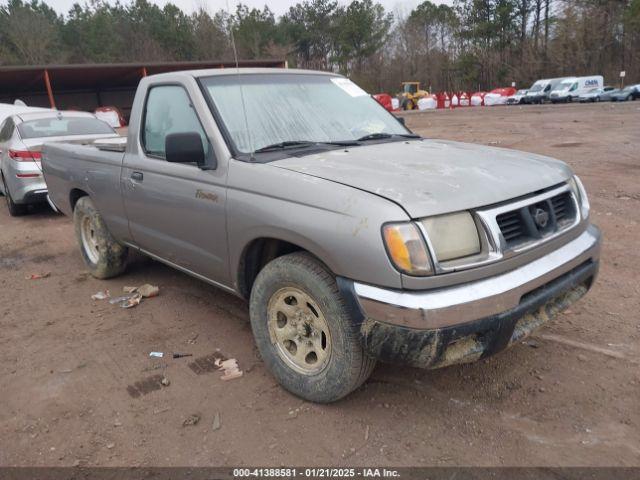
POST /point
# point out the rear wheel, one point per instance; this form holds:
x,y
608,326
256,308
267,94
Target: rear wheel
x,y
15,210
304,330
102,254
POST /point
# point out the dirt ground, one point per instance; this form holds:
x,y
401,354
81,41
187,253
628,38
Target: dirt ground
x,y
569,396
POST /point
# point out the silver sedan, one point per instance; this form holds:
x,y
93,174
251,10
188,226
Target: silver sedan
x,y
21,138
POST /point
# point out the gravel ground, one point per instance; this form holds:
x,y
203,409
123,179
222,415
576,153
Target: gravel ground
x,y
75,372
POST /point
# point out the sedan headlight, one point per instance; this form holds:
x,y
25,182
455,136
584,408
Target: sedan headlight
x,y
581,195
406,248
452,236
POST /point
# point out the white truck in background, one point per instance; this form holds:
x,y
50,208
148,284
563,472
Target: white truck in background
x,y
571,88
541,89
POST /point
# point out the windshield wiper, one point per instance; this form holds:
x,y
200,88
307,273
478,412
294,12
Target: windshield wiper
x,y
286,144
382,136
303,144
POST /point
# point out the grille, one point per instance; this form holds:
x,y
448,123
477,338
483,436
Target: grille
x,y
511,225
562,208
536,221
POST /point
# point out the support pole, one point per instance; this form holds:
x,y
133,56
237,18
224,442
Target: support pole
x,y
47,83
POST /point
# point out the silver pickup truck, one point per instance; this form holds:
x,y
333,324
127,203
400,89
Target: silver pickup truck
x,y
353,239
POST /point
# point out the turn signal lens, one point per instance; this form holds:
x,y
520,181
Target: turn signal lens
x,y
407,249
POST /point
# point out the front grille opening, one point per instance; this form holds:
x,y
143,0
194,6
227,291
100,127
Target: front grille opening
x,y
563,208
537,221
512,226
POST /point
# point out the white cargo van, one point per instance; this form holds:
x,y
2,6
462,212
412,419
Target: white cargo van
x,y
571,88
540,90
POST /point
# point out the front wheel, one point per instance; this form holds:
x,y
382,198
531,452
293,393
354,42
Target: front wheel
x,y
103,255
304,331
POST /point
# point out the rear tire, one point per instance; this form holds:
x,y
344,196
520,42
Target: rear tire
x,y
304,331
15,210
103,255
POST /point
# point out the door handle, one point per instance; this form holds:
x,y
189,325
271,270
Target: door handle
x,y
137,176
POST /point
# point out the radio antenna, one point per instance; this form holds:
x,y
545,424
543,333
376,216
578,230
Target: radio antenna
x,y
244,108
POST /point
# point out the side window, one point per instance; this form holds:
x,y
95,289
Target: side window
x,y
547,88
6,129
573,87
168,110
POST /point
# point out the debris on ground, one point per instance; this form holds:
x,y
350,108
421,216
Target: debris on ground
x,y
192,419
156,354
216,422
165,382
38,276
181,355
146,290
127,301
532,343
101,295
193,339
230,369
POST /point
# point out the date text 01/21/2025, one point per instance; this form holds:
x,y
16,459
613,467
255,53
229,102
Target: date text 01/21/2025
x,y
316,472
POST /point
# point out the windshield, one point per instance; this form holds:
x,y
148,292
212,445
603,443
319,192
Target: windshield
x,y
536,87
295,108
565,85
62,127
410,88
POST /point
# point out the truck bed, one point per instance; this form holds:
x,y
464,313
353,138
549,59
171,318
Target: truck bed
x,y
71,169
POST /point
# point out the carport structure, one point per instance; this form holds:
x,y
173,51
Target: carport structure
x,y
88,86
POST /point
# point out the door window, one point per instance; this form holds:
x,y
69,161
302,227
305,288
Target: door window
x,y
168,110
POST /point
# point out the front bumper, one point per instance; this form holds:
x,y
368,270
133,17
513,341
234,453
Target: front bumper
x,y
466,322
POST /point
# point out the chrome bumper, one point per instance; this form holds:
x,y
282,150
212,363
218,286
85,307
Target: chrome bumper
x,y
468,302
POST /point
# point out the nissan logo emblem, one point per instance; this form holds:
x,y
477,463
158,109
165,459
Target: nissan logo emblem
x,y
541,217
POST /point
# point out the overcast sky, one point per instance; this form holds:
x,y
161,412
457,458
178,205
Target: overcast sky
x,y
277,6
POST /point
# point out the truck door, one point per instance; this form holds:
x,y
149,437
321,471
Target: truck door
x,y
176,211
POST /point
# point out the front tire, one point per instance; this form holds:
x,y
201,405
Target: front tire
x,y
103,255
304,331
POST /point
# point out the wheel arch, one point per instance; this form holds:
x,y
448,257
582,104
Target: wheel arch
x,y
258,252
74,195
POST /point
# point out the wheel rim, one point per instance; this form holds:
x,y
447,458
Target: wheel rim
x,y
89,239
299,331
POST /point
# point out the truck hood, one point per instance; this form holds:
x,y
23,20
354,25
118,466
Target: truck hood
x,y
432,177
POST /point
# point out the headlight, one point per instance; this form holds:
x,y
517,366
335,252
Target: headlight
x,y
452,236
581,195
407,249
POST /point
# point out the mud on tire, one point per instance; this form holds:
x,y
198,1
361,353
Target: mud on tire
x,y
346,365
103,255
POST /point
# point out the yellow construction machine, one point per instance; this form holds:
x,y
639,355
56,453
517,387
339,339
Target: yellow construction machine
x,y
411,93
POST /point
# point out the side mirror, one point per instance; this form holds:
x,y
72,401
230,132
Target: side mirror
x,y
401,120
184,148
